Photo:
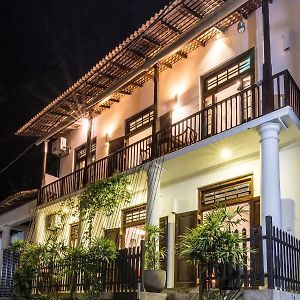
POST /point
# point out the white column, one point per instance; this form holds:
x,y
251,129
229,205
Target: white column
x,y
270,175
153,193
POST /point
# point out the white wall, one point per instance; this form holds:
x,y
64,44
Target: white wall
x,y
183,79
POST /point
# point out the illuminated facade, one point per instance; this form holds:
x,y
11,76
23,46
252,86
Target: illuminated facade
x,y
187,102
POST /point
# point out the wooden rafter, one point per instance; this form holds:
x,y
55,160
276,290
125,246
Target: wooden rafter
x,y
182,54
191,11
171,27
152,38
151,41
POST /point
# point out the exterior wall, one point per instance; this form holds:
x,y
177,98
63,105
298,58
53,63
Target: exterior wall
x,y
183,79
101,222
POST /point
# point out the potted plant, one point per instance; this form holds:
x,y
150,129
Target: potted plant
x,y
154,277
215,247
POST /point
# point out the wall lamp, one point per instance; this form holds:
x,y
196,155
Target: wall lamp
x,y
241,27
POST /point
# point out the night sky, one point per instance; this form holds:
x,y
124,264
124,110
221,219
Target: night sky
x,y
45,46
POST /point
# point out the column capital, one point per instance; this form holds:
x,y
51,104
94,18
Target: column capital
x,y
269,130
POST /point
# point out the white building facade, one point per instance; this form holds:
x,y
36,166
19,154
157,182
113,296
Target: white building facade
x,y
202,106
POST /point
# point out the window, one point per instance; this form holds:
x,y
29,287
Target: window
x,y
134,219
140,121
229,78
80,155
74,235
228,192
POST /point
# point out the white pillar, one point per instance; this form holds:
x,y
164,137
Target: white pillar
x,y
270,175
153,193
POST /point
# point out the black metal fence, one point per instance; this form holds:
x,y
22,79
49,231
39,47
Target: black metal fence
x,y
9,263
273,260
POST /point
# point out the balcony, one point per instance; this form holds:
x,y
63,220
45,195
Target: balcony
x,y
233,111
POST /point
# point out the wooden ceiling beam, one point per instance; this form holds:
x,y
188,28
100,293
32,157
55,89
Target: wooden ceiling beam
x,y
124,92
166,64
199,43
56,113
136,84
171,27
191,11
151,41
148,75
114,100
104,105
97,86
182,54
109,76
137,53
120,66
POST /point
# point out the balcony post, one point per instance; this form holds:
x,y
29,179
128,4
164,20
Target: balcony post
x,y
267,88
155,112
88,149
270,175
44,166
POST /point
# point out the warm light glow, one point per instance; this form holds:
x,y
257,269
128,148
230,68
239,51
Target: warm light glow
x,y
107,139
226,153
140,232
84,122
65,210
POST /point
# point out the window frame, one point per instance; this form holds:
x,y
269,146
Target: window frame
x,y
76,224
223,184
146,112
83,146
223,68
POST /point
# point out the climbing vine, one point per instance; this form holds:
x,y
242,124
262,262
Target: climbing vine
x,y
103,196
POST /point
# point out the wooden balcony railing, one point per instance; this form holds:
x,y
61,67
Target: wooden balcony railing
x,y
233,111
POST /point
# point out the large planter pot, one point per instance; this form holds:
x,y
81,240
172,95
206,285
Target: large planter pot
x,y
155,280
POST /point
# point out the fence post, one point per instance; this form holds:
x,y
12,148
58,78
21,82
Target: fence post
x,y
270,259
142,266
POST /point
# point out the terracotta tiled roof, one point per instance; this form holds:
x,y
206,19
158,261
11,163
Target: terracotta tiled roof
x,y
163,29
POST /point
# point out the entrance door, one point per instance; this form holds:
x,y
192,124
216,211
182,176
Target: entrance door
x,y
185,274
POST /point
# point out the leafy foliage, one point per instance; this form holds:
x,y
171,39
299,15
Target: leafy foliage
x,y
153,255
103,196
34,257
215,242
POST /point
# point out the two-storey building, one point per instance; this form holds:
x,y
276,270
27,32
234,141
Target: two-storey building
x,y
202,104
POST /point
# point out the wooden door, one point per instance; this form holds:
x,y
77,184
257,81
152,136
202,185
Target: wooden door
x,y
116,161
163,240
185,274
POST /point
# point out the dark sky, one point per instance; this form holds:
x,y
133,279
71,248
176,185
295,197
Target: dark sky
x,y
46,45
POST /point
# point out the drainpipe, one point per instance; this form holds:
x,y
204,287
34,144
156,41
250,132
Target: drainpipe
x,y
268,86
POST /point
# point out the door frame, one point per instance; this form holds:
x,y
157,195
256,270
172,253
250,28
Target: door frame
x,y
195,268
